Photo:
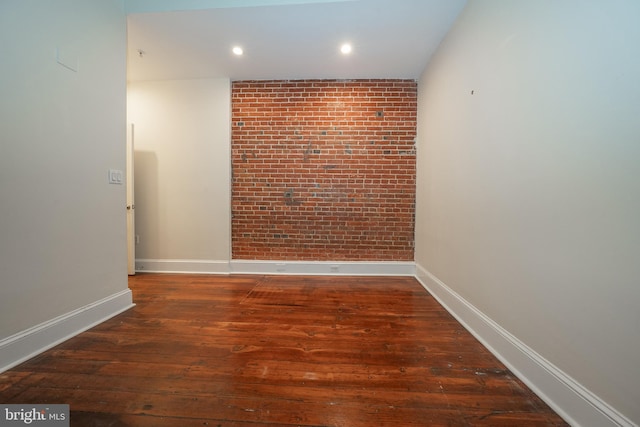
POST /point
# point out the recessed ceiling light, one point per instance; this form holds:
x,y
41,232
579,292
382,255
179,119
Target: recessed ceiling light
x,y
237,50
345,48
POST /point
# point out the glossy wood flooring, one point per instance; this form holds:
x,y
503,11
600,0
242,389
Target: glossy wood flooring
x,y
252,351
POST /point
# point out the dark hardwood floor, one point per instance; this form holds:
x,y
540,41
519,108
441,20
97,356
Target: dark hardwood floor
x,y
251,351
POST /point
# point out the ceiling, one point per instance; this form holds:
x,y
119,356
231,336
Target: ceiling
x,y
284,39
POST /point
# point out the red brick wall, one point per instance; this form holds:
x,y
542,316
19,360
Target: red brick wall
x,y
323,169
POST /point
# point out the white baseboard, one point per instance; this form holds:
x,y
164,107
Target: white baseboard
x,y
333,268
194,266
573,402
33,341
353,268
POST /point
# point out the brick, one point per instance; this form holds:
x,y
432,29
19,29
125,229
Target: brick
x,y
336,179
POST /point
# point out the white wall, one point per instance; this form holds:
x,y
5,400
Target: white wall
x,y
62,226
182,173
528,199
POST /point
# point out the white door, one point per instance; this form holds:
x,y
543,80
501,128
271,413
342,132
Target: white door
x,y
131,228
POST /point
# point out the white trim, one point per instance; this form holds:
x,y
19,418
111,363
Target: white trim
x,y
33,341
329,268
192,266
572,401
334,268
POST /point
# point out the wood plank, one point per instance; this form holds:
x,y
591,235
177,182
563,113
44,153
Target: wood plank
x,y
278,351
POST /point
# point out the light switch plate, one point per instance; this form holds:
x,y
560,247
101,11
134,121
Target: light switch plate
x,y
116,176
